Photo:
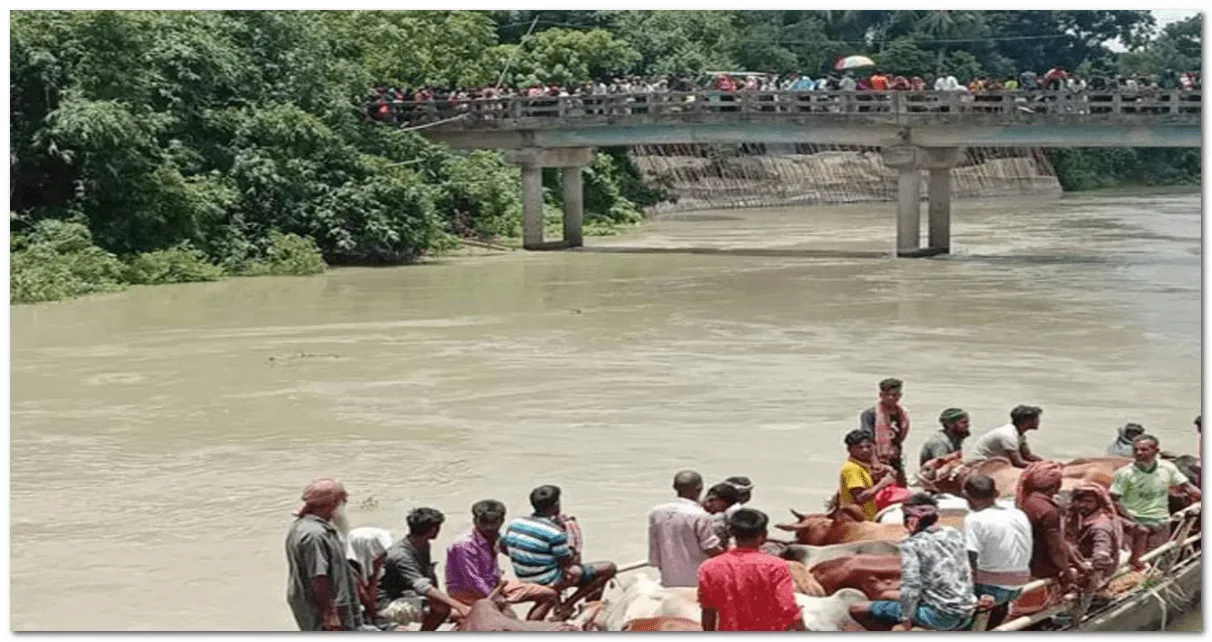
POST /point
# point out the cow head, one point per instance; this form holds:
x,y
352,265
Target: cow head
x,y
817,529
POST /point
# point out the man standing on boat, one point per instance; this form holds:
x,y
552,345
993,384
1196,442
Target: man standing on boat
x,y
1122,447
950,439
1010,440
746,589
1141,492
856,484
322,591
1096,531
680,533
936,579
718,503
999,545
1051,555
888,423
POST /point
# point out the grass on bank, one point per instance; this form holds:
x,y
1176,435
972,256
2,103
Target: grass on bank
x,y
58,260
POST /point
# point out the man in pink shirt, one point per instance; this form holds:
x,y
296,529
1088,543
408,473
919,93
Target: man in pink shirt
x,y
746,589
472,573
680,533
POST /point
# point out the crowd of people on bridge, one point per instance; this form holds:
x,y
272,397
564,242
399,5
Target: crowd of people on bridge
x,y
381,99
714,542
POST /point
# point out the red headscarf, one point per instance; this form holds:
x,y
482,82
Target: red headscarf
x,y
1038,477
321,492
1075,522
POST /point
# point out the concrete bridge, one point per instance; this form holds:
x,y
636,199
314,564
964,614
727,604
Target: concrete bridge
x,y
916,130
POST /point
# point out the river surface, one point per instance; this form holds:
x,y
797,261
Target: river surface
x,y
161,437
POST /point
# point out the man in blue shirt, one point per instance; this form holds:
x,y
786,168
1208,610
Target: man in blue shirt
x,y
538,548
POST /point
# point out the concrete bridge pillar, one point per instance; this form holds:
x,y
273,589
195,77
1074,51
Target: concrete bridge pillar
x,y
908,198
909,161
939,161
533,160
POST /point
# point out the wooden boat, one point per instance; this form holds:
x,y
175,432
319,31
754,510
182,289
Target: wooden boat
x,y
1173,585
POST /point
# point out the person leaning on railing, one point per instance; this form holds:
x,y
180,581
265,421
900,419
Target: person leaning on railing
x,y
1141,493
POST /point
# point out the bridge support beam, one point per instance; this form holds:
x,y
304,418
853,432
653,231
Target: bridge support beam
x,y
909,162
533,160
939,161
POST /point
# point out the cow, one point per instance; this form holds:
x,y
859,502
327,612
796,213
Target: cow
x,y
877,576
488,615
849,524
645,604
662,624
642,597
810,556
947,474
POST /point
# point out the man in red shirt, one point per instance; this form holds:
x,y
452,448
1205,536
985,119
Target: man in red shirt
x,y
746,589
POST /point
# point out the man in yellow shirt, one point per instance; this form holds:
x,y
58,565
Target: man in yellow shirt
x,y
857,486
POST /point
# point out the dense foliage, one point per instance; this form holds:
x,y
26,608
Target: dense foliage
x,y
158,146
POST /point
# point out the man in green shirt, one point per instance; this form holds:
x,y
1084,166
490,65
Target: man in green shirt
x,y
1141,492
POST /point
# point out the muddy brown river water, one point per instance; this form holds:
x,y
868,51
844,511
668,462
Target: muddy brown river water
x,y
160,437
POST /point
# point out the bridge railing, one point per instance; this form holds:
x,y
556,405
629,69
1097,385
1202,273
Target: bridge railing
x,y
675,105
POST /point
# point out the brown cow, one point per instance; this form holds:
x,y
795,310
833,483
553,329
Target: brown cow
x,y
947,474
877,576
804,581
663,623
849,524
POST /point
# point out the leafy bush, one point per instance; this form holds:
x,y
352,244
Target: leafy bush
x,y
181,264
288,255
58,260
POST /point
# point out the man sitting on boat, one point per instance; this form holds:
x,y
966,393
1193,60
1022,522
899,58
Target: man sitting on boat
x,y
1122,447
408,592
1141,493
857,485
950,439
936,580
472,573
1010,440
537,546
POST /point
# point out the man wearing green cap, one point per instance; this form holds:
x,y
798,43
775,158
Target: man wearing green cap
x,y
948,440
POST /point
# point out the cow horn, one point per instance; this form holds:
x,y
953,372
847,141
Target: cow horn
x,y
798,515
787,527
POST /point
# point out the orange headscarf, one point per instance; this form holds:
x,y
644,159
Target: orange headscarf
x,y
320,493
1039,476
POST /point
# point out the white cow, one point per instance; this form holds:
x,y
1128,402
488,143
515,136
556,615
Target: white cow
x,y
643,597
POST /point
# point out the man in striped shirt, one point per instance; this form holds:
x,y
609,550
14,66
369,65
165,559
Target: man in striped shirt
x,y
538,548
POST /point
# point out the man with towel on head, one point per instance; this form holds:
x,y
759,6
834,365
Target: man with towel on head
x,y
1051,555
888,423
322,592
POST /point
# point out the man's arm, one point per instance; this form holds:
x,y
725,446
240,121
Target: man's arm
x,y
709,542
1192,491
1058,548
863,494
1027,455
911,582
710,618
314,562
654,551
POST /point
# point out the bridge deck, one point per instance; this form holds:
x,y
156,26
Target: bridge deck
x,y
1099,119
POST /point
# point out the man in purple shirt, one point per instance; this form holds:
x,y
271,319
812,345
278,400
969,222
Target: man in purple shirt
x,y
471,566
